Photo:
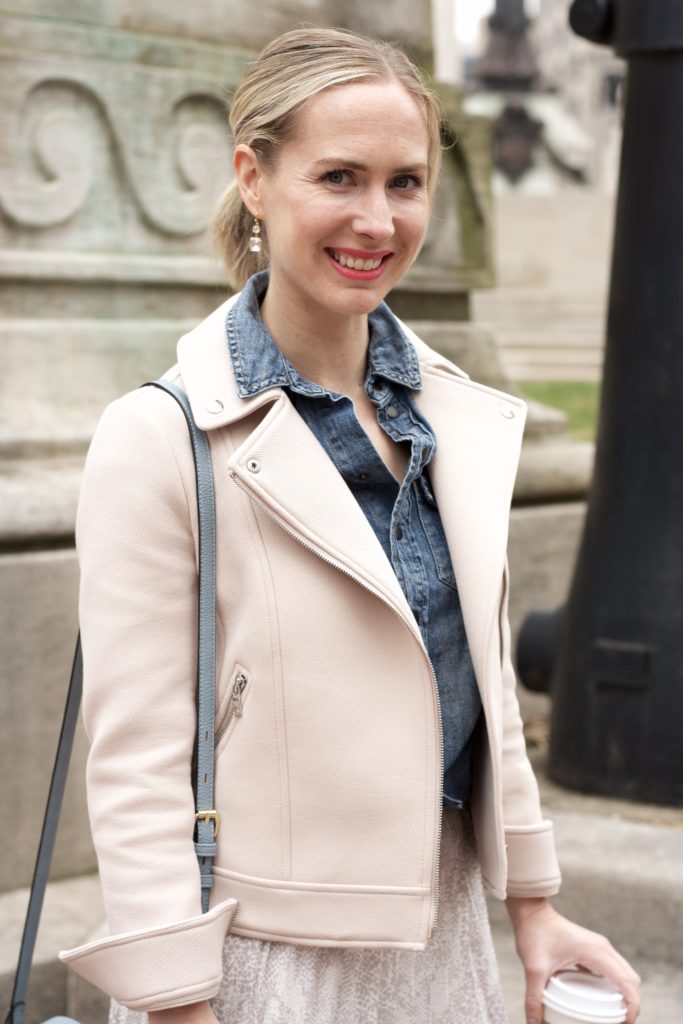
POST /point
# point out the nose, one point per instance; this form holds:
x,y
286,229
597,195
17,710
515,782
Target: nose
x,y
373,215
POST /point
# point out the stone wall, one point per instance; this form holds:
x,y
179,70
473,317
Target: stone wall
x,y
112,115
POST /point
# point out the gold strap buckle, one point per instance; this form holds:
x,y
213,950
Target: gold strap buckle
x,y
208,816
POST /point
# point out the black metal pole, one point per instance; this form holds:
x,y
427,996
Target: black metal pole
x,y
617,708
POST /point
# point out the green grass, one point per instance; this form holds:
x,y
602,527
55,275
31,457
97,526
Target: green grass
x,y
578,399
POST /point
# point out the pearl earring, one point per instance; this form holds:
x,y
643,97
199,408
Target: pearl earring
x,y
255,240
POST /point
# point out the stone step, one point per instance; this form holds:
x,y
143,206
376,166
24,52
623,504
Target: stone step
x,y
541,301
542,372
569,364
72,910
547,366
545,334
559,343
561,357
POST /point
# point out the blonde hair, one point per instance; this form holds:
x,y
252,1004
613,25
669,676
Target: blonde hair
x,y
288,71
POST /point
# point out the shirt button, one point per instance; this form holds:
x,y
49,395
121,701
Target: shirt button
x,y
399,533
362,476
392,411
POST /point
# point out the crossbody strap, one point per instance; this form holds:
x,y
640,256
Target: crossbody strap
x,y
206,816
47,839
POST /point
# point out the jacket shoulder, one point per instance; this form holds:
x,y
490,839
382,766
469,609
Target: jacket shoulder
x,y
434,362
142,405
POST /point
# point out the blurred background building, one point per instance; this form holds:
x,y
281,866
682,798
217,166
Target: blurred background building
x,y
555,104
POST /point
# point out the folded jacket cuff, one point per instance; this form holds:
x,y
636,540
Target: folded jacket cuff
x,y
158,968
532,862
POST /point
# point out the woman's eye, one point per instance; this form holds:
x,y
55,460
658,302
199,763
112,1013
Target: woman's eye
x,y
336,177
407,181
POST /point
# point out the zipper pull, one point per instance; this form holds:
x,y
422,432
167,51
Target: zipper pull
x,y
240,683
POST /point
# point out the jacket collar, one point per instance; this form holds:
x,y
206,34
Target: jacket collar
x,y
259,364
225,384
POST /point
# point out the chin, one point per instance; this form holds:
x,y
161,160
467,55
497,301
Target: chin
x,y
357,301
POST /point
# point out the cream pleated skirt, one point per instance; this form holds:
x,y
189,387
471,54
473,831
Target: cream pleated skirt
x,y
454,980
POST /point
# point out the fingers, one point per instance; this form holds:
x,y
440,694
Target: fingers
x,y
533,1003
547,943
605,960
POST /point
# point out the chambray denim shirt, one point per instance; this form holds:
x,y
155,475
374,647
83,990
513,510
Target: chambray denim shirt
x,y
405,517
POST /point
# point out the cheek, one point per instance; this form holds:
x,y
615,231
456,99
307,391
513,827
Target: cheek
x,y
317,217
414,226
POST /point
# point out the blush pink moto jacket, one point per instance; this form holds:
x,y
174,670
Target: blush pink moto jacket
x,y
328,753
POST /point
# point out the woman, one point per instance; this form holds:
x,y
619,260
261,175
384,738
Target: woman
x,y
362,488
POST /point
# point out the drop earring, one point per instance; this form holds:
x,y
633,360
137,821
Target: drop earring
x,y
255,240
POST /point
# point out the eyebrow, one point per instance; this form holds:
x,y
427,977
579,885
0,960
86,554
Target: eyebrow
x,y
354,165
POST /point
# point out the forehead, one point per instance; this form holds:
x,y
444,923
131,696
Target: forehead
x,y
372,116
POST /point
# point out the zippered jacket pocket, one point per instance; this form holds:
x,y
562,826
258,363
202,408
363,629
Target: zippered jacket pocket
x,y
232,705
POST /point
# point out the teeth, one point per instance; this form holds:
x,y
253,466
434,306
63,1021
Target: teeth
x,y
355,264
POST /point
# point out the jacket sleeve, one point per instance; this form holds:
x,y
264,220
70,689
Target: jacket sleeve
x,y
135,536
533,869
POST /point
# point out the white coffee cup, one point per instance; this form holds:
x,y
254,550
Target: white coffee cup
x,y
574,997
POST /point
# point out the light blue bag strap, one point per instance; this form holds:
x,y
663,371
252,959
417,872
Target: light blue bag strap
x,y
206,816
47,840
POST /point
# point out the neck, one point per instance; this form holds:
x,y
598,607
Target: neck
x,y
326,348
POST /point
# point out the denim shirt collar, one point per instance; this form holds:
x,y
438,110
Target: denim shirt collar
x,y
259,364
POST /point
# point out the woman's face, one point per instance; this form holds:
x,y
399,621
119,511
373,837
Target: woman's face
x,y
346,204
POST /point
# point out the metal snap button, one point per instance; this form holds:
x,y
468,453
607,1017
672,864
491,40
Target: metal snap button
x,y
215,407
253,466
506,410
392,411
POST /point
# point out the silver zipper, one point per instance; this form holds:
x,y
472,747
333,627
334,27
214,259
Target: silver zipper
x,y
236,705
416,634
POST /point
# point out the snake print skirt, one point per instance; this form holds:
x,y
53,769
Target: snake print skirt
x,y
454,980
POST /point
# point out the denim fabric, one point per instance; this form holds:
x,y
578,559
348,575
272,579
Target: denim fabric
x,y
404,517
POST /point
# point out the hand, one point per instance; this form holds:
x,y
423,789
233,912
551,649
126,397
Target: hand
x,y
193,1013
547,942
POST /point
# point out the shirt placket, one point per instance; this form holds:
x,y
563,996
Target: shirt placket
x,y
407,557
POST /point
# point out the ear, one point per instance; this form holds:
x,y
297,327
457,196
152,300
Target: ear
x,y
248,175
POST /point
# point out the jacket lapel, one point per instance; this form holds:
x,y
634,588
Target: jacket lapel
x,y
283,466
479,435
290,475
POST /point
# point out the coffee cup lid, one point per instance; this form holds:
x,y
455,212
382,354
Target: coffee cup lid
x,y
588,997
